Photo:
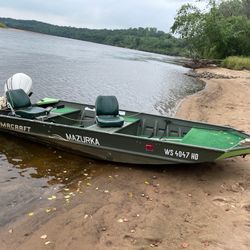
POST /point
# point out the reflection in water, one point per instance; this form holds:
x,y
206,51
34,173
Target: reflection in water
x,y
30,173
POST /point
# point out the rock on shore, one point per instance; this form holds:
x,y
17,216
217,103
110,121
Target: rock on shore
x,y
209,75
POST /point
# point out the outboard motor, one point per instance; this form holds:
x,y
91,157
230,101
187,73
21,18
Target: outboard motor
x,y
19,81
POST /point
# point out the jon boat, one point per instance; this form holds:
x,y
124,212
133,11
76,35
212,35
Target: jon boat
x,y
104,132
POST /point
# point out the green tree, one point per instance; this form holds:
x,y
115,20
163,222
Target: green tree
x,y
189,23
219,31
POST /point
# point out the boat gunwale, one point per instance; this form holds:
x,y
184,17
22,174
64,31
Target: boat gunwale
x,y
155,115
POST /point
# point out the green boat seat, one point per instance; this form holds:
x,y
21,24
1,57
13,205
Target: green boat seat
x,y
21,104
107,112
31,112
109,121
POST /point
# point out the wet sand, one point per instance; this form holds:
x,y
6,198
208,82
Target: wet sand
x,y
204,206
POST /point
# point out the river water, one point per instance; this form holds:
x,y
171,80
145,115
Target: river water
x,y
78,71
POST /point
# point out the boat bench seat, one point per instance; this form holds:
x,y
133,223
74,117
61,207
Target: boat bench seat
x,y
31,112
109,121
21,104
212,138
65,110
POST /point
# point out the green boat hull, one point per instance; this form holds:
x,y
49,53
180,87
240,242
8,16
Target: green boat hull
x,y
143,139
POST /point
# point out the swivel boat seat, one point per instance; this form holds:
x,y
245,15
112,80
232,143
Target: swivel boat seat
x,y
107,112
21,105
17,90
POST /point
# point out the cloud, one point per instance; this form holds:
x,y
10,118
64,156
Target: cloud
x,y
96,13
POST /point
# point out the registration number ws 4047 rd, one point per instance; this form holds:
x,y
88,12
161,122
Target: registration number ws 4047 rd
x,y
181,154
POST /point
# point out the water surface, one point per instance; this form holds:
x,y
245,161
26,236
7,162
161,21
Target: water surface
x,y
80,71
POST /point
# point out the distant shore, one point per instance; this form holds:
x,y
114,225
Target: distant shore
x,y
143,39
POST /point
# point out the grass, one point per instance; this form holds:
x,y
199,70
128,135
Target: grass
x,y
2,25
236,62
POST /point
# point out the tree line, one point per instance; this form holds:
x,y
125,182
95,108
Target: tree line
x,y
145,39
219,30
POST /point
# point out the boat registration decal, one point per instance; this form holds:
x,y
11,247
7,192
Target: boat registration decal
x,y
181,154
15,127
83,139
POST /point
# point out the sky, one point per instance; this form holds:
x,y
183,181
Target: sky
x,y
110,14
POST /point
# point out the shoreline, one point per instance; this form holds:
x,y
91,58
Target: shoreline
x,y
175,207
221,101
182,101
186,102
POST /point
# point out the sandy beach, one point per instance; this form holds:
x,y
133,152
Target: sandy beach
x,y
204,206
